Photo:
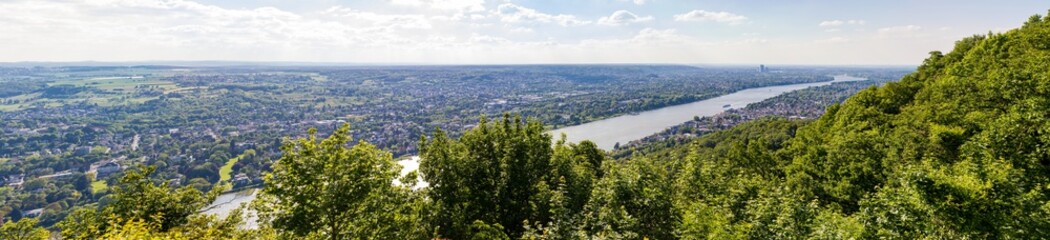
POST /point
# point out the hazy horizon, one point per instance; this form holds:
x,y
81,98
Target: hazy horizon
x,y
502,32
236,63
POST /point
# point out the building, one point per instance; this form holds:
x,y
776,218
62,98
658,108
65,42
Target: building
x,y
81,151
59,175
107,169
104,168
762,68
33,213
241,179
15,180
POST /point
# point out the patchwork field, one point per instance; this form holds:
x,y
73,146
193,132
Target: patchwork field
x,y
101,91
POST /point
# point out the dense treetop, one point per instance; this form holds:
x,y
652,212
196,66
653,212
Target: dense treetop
x,y
957,149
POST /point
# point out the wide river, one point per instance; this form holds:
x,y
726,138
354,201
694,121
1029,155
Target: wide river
x,y
606,133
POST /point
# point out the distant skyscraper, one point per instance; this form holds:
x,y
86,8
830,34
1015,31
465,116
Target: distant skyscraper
x,y
762,68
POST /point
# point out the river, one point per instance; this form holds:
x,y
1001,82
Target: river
x,y
606,133
227,202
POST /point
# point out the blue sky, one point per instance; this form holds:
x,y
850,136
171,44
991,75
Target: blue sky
x,y
892,32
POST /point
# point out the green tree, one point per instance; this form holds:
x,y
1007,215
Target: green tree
x,y
198,227
24,229
481,231
136,198
489,174
324,189
634,200
508,173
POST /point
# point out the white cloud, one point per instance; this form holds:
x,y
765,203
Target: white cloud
x,y
702,16
486,39
520,29
623,17
754,40
834,40
511,13
654,35
908,29
839,23
134,30
122,30
378,20
644,37
463,5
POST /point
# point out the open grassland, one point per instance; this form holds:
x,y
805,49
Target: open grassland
x,y
98,186
227,169
101,91
118,83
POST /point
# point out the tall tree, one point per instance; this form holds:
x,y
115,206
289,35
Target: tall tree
x,y
324,189
140,209
505,173
489,174
137,198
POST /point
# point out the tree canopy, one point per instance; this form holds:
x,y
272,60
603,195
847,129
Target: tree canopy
x,y
326,190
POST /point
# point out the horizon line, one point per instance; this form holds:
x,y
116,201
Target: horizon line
x,y
239,63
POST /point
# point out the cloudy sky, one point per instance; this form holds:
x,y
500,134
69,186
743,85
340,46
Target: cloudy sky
x,y
884,32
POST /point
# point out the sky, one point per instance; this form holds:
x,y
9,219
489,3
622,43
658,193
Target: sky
x,y
803,32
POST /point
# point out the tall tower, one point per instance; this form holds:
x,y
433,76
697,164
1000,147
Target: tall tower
x,y
762,68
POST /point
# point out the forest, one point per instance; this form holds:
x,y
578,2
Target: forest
x,y
955,150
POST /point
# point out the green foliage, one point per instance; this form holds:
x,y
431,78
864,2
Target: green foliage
x,y
323,189
481,231
138,198
955,150
198,227
509,174
634,200
24,229
142,209
84,223
487,175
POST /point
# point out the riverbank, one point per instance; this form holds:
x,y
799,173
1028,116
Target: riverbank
x,y
610,132
808,103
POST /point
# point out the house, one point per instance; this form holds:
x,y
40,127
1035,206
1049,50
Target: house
x,y
241,179
241,146
81,151
59,175
15,180
107,168
104,168
33,213
175,181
